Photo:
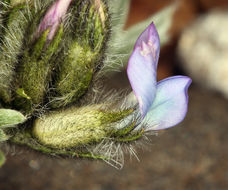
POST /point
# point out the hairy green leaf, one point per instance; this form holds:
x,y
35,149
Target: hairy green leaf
x,y
10,117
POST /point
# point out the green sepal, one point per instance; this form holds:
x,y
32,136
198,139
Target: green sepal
x,y
133,136
92,25
38,49
127,134
32,73
54,44
2,158
73,75
10,117
35,70
98,33
21,92
124,131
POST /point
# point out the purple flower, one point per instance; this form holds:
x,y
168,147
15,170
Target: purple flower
x,y
53,17
163,104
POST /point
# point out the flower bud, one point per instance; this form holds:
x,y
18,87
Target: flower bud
x,y
34,71
62,52
54,17
82,53
77,126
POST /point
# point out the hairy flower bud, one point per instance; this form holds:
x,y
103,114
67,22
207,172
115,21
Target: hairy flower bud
x,y
54,17
77,127
34,71
17,19
82,53
62,51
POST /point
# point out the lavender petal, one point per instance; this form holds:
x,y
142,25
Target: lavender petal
x,y
170,104
53,17
142,67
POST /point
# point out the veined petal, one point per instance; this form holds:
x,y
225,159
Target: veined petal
x,y
170,104
142,67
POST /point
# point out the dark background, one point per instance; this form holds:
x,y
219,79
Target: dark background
x,y
191,156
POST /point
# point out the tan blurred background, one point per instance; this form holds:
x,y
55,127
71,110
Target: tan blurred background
x,y
191,156
187,12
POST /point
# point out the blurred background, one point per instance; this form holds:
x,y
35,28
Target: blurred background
x,y
191,156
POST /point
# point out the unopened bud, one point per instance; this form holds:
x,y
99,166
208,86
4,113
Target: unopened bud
x,y
77,126
62,52
54,17
82,54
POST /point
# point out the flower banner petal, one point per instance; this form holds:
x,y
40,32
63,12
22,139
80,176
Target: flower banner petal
x,y
170,104
142,67
151,38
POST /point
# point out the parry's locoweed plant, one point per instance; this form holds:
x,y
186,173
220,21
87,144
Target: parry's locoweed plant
x,y
53,55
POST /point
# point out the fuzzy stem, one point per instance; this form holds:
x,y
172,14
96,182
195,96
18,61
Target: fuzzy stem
x,y
25,138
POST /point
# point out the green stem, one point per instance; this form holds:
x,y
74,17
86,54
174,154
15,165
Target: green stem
x,y
25,138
